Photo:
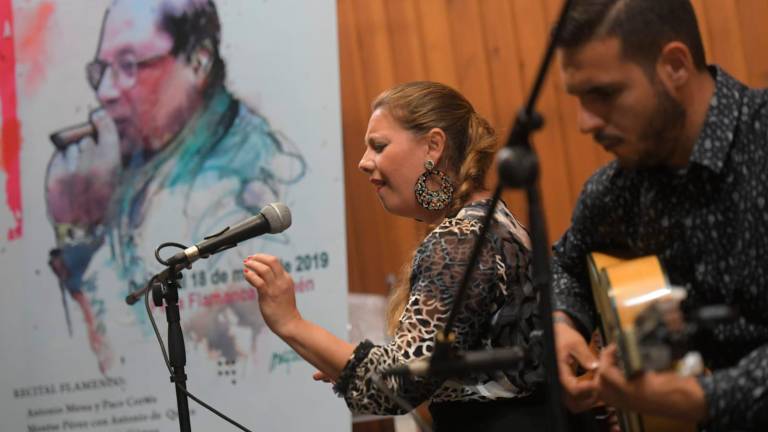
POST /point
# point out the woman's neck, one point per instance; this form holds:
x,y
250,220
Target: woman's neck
x,y
434,218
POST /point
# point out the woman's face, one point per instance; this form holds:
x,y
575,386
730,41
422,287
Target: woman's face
x,y
393,160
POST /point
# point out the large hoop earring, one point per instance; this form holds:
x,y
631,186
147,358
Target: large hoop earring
x,y
433,200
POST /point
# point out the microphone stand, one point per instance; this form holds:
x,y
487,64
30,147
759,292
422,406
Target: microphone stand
x,y
165,288
168,289
518,167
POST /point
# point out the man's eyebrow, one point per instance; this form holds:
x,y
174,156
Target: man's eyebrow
x,y
120,53
592,88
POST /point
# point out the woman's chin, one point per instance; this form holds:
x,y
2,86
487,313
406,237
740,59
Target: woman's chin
x,y
395,208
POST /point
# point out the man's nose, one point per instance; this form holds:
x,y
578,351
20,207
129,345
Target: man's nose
x,y
589,122
107,89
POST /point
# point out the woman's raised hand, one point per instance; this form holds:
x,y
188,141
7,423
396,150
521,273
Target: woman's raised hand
x,y
277,298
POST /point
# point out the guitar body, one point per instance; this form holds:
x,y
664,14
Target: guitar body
x,y
622,290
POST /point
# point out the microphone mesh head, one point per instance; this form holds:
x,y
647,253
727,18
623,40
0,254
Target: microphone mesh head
x,y
278,216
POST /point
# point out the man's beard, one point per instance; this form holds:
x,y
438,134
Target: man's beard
x,y
664,130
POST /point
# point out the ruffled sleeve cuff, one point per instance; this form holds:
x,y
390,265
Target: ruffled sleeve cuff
x,y
348,373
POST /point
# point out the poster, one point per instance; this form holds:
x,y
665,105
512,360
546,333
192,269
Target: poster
x,y
131,123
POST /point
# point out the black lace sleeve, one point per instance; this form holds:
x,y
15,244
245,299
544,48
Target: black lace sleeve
x,y
438,266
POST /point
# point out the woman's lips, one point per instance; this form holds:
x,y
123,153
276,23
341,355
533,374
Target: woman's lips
x,y
377,183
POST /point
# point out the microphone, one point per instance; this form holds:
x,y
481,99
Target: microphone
x,y
272,219
462,363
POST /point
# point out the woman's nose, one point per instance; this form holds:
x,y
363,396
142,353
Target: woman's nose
x,y
366,164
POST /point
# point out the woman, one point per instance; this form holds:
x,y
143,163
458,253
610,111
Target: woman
x,y
427,154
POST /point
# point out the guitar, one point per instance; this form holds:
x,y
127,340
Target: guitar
x,y
633,298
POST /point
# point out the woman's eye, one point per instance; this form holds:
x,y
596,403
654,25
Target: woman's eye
x,y
378,148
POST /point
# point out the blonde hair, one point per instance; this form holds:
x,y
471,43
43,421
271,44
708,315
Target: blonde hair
x,y
419,107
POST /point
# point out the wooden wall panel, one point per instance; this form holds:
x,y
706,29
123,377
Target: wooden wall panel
x,y
489,50
405,27
722,20
436,36
532,28
471,61
754,43
377,242
506,79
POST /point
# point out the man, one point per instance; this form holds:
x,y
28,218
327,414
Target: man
x,y
689,185
175,157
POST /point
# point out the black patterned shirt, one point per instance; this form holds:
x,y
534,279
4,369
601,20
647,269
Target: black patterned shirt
x,y
502,278
708,223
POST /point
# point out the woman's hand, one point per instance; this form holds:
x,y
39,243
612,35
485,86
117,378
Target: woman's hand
x,y
277,298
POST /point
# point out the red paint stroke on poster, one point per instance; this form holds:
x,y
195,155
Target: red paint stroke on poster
x,y
31,36
10,139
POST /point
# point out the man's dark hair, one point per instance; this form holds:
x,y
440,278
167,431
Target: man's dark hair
x,y
642,26
191,26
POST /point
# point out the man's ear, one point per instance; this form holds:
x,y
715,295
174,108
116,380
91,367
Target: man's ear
x,y
435,142
675,66
201,60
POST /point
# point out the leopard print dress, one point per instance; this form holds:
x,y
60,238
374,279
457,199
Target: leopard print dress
x,y
501,281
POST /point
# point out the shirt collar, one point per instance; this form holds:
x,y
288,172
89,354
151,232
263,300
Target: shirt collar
x,y
717,135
